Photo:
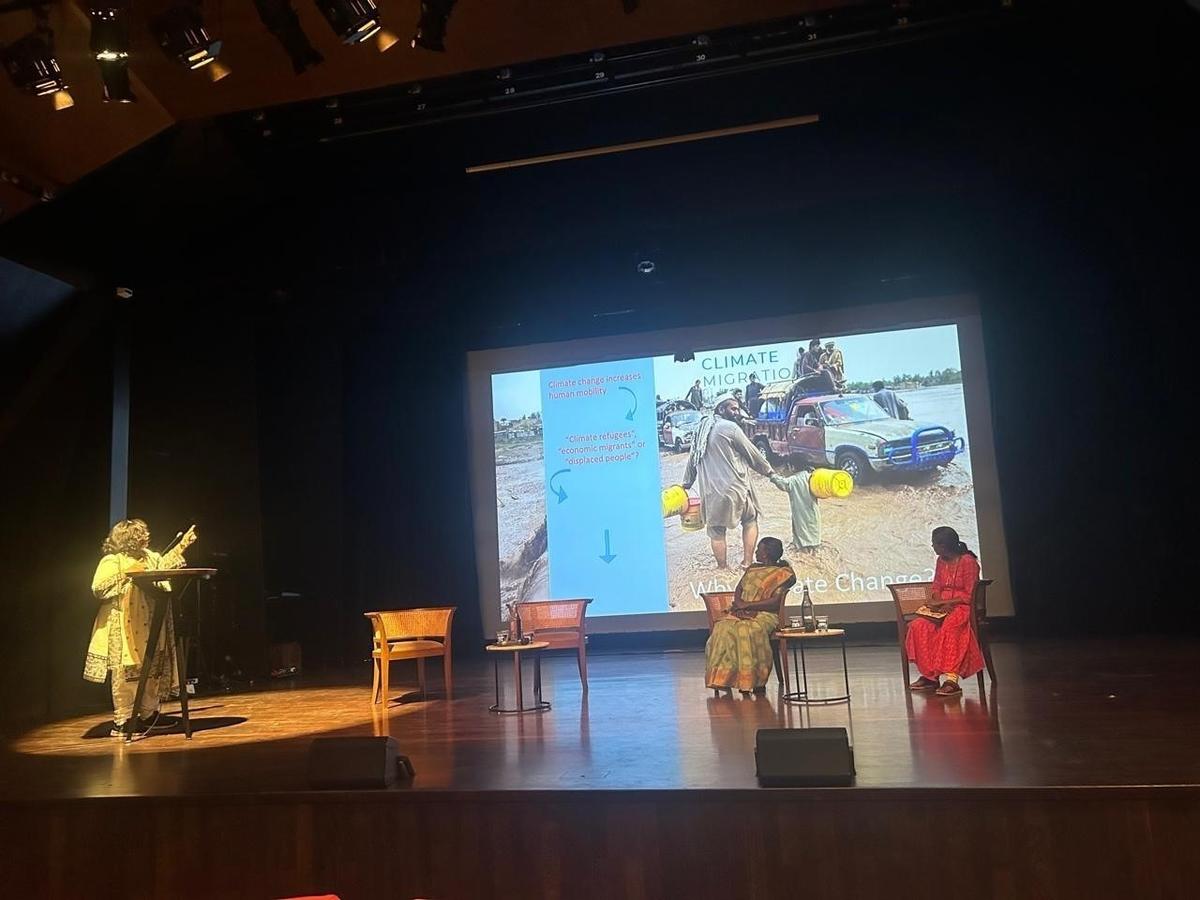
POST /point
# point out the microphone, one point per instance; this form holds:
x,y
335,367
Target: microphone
x,y
174,541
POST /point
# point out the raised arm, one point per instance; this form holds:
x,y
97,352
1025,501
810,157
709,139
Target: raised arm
x,y
173,558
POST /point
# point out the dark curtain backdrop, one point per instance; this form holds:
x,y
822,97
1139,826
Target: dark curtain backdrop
x,y
301,334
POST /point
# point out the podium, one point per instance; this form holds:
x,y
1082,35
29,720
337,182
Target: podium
x,y
167,603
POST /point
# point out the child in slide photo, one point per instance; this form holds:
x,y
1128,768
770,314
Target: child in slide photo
x,y
806,511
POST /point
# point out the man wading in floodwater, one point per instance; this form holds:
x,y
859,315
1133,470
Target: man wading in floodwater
x,y
721,459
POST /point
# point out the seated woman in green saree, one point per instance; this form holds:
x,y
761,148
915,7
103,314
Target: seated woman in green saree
x,y
738,652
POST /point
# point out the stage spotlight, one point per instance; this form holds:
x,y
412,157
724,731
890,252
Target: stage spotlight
x,y
686,356
356,21
114,75
281,20
110,47
182,35
431,28
110,31
33,68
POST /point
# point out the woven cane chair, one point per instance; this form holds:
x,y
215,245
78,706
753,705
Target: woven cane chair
x,y
912,595
409,634
560,624
717,604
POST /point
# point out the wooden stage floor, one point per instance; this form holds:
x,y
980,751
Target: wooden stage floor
x,y
1064,714
1076,779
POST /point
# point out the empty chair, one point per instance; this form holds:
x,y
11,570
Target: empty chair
x,y
409,634
560,624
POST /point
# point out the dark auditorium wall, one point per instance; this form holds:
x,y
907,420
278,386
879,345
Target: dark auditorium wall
x,y
194,458
55,432
306,401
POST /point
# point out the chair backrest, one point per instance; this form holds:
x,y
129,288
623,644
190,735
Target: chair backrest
x,y
553,615
431,622
716,604
981,587
910,596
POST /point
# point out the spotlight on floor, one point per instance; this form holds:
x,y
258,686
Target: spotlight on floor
x,y
33,67
110,46
181,34
281,20
431,28
356,21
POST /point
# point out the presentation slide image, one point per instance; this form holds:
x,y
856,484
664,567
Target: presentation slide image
x,y
877,535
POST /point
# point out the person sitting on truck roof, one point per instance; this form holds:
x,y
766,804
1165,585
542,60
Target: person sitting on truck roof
x,y
835,363
810,362
720,463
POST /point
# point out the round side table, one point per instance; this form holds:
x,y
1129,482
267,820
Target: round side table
x,y
798,639
516,651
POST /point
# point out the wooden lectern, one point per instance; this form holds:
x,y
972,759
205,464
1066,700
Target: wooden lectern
x,y
166,603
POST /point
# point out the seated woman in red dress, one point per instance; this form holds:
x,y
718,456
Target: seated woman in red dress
x,y
947,647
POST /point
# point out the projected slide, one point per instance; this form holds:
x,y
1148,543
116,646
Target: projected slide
x,y
627,481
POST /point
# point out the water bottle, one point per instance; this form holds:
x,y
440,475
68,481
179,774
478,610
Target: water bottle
x,y
808,615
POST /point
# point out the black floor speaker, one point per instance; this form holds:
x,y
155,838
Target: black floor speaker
x,y
346,763
803,757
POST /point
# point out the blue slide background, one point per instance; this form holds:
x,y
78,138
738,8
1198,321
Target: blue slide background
x,y
620,497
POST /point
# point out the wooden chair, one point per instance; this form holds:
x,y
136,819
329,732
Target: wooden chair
x,y
409,634
717,603
560,624
912,595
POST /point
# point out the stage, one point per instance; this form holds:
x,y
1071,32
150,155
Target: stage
x,y
1087,752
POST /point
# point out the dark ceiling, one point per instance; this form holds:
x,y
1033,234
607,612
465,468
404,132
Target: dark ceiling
x,y
50,150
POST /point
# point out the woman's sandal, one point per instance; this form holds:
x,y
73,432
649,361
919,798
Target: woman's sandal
x,y
924,684
949,689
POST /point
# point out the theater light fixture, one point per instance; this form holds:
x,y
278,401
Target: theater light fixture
x,y
281,20
431,28
110,46
33,67
115,78
356,21
181,34
110,31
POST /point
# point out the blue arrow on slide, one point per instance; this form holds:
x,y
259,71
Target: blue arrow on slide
x,y
608,556
629,415
559,491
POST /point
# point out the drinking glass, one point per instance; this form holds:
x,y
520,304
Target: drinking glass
x,y
822,623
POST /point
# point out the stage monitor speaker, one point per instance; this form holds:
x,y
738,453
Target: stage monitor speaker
x,y
803,757
346,763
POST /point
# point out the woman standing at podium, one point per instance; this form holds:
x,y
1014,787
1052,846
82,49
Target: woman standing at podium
x,y
122,626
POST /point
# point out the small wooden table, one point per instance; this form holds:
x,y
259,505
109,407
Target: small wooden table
x,y
798,639
515,650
